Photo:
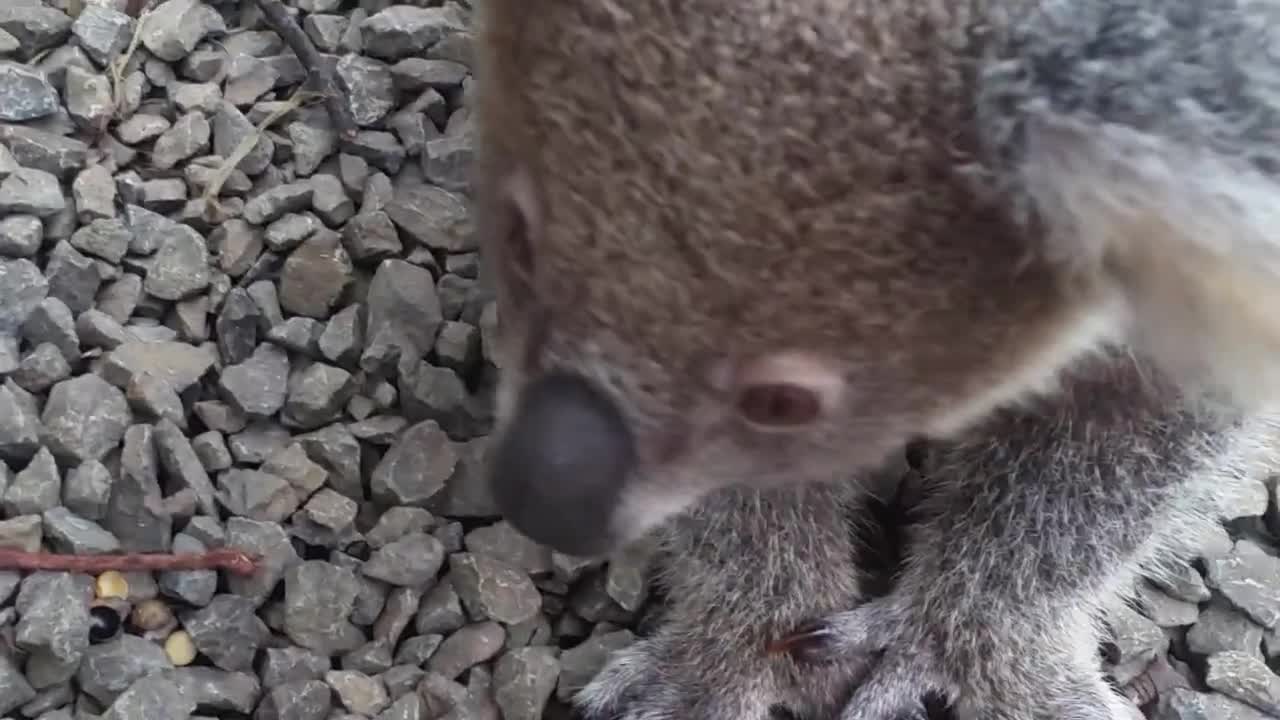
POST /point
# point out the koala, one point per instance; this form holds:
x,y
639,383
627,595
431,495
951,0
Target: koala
x,y
744,252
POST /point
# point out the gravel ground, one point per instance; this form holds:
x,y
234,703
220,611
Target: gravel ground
x,y
294,363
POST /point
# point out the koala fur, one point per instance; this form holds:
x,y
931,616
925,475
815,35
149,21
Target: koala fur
x,y
1038,232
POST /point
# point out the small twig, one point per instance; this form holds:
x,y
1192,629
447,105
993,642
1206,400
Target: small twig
x,y
277,18
235,561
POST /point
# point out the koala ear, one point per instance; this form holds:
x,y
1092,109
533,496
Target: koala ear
x,y
1189,236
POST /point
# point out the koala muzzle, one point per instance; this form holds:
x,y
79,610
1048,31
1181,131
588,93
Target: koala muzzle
x,y
560,467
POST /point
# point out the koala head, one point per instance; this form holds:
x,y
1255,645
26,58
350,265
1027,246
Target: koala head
x,y
743,244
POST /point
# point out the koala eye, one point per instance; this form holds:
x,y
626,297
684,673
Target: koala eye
x,y
779,405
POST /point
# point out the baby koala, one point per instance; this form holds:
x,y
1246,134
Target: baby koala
x,y
746,250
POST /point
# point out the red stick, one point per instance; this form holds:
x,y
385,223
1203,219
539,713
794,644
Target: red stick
x,y
235,561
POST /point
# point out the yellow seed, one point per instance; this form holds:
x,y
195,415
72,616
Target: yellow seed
x,y
111,584
180,649
151,615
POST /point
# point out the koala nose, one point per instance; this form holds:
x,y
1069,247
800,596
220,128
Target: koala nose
x,y
560,467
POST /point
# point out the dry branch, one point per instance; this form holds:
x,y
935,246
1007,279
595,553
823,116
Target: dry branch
x,y
321,74
235,561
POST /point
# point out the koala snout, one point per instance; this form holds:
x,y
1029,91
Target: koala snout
x,y
559,469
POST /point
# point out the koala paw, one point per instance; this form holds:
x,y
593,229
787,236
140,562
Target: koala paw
x,y
982,671
671,678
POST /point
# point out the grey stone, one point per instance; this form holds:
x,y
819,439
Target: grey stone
x,y
291,230
416,467
257,442
227,631
403,30
257,495
315,276
35,25
69,533
175,27
239,245
523,680
398,522
179,364
54,612
20,235
188,137
165,195
278,201
491,589
51,322
94,193
216,691
153,697
37,488
342,338
372,90
87,489
181,266
503,542
102,32
198,97
303,474
141,128
1185,704
317,394
372,238
130,515
107,239
358,692
330,201
230,128
334,449
50,152
41,368
22,533
108,669
448,162
418,649
89,99
466,493
212,450
237,327
410,561
308,700
22,288
579,664
311,145
403,315
15,691
84,418
183,466
150,230
319,600
154,398
328,518
248,79
298,334
31,192
466,647
270,542
25,93
258,386
1250,579
379,148
289,665
433,217
194,587
1245,677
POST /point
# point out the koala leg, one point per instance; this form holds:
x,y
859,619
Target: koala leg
x,y
1029,530
739,571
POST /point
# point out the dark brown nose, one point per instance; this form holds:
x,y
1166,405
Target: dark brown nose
x,y
560,467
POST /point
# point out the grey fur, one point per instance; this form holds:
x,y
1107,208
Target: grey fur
x,y
1112,384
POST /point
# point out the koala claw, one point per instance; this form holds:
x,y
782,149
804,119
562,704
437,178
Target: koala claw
x,y
913,673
